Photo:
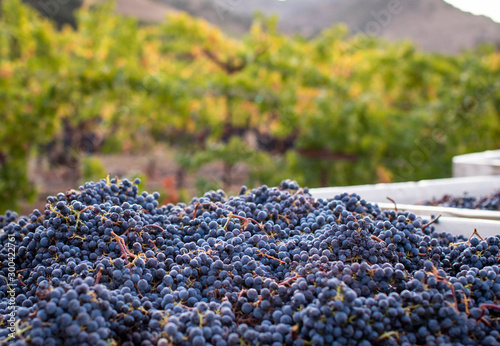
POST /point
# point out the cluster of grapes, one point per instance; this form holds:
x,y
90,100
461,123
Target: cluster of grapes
x,y
107,265
9,217
487,202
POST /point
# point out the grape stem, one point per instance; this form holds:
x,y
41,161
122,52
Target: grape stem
x,y
156,227
288,281
489,306
198,205
98,277
430,222
19,278
18,333
393,201
123,247
269,256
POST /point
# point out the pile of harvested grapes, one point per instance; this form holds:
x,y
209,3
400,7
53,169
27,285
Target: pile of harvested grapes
x,y
106,265
486,202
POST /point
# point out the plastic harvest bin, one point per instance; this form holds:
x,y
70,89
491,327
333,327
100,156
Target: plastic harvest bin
x,y
407,195
484,163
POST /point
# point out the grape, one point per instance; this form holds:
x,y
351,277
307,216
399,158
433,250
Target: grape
x,y
106,264
486,202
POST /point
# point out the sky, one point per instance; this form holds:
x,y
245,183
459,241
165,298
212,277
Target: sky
x,y
490,8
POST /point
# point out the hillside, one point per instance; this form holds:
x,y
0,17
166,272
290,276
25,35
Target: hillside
x,y
433,25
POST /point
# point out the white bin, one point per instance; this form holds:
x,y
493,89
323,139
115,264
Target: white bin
x,y
416,192
407,195
485,163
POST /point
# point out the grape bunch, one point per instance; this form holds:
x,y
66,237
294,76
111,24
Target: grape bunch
x,y
107,265
8,218
486,202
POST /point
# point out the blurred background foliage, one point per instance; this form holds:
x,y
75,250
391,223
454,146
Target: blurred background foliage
x,y
332,110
